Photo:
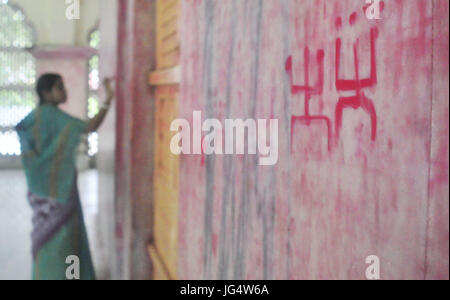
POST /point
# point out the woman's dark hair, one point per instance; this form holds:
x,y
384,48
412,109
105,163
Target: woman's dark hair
x,y
46,83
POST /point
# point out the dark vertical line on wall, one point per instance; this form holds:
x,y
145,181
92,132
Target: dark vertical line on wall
x,y
272,226
241,226
265,237
238,236
254,99
246,229
210,160
287,110
269,216
257,58
427,226
228,165
268,228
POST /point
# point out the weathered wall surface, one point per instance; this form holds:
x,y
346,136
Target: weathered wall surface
x,y
134,134
363,171
438,233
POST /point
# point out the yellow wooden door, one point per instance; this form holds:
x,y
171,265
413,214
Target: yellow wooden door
x,y
166,80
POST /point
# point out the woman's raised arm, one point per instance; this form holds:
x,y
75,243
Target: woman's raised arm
x,y
94,123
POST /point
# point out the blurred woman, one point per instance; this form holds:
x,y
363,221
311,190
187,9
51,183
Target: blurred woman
x,y
49,138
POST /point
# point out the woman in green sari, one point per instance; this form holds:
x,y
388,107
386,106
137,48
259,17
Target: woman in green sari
x,y
49,138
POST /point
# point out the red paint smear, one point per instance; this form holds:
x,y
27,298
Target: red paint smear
x,y
352,19
357,84
309,91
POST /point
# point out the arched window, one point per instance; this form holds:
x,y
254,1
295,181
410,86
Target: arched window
x,y
17,75
93,84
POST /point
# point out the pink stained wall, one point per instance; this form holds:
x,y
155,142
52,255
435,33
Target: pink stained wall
x,y
133,218
125,160
376,184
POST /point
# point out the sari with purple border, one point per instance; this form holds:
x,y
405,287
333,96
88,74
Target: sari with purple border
x,y
49,139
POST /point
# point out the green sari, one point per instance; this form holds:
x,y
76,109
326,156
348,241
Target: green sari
x,y
49,138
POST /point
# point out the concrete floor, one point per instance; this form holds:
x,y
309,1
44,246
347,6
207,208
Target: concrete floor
x,y
15,223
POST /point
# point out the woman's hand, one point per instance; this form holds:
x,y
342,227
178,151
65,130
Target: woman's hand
x,y
108,89
94,123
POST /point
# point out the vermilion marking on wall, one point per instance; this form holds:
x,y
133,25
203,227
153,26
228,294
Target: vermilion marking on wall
x,y
315,215
359,100
309,91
